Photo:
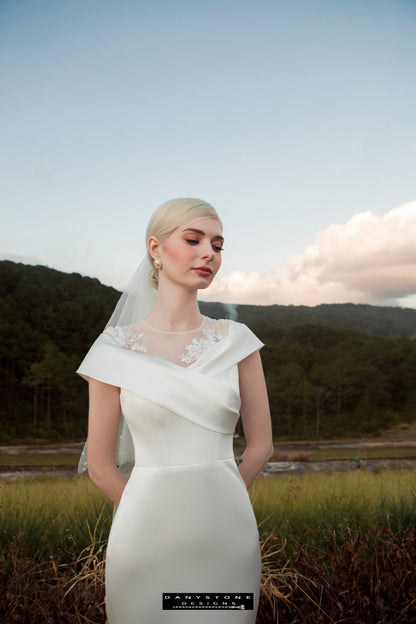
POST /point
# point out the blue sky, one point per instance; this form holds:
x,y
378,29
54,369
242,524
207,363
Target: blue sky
x,y
291,118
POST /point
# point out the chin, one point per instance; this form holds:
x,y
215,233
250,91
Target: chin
x,y
202,283
204,286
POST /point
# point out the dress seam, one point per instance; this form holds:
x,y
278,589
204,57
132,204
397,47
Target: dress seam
x,y
205,463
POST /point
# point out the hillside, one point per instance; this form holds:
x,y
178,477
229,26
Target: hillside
x,y
372,320
329,369
75,299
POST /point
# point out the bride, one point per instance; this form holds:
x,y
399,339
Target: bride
x,y
167,386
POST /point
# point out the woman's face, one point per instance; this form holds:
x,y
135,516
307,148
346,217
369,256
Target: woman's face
x,y
191,255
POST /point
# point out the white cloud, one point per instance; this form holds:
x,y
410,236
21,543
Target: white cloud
x,y
369,259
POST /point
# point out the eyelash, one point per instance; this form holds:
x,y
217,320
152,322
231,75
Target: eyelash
x,y
193,241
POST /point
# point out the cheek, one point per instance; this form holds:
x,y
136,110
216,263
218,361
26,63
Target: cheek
x,y
218,260
179,252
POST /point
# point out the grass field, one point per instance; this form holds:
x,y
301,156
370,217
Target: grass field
x,y
57,514
401,432
335,548
39,459
53,515
303,510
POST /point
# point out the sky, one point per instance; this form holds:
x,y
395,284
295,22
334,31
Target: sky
x,y
294,119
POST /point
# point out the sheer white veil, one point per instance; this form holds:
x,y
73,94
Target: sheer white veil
x,y
136,302
139,299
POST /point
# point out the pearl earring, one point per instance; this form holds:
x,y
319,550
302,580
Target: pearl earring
x,y
158,264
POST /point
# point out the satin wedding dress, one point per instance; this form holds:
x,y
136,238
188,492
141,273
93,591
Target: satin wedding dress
x,y
184,524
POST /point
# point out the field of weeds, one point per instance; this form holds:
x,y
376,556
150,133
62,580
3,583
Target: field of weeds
x,y
335,548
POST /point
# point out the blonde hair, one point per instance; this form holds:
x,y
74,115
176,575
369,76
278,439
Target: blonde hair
x,y
169,216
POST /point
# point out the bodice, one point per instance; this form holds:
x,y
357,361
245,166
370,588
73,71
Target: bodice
x,y
162,437
179,410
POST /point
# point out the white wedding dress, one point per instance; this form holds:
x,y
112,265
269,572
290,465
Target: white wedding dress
x,y
185,524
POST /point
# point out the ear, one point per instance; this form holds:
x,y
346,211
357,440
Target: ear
x,y
153,246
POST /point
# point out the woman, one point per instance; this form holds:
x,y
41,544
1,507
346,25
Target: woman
x,y
184,531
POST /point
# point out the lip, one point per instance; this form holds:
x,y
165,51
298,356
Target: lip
x,y
203,270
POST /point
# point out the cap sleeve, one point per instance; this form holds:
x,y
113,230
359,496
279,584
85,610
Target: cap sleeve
x,y
102,361
239,343
244,340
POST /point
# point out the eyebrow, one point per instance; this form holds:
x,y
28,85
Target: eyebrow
x,y
218,237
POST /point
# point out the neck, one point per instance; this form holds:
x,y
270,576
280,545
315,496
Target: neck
x,y
176,309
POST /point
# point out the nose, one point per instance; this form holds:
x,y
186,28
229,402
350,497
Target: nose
x,y
206,249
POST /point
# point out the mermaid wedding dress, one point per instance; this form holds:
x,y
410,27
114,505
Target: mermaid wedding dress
x,y
184,544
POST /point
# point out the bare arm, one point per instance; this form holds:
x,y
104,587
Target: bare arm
x,y
255,416
103,423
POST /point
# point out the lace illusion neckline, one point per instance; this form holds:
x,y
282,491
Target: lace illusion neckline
x,y
163,331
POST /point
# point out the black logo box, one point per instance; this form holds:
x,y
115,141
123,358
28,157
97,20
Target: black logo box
x,y
207,601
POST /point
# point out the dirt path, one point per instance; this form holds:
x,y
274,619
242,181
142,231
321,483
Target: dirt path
x,y
39,450
16,473
307,446
338,465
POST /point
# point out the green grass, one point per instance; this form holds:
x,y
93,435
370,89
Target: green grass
x,y
53,515
57,515
402,432
304,509
344,548
39,459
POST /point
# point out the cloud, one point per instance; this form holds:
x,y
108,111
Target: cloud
x,y
368,259
4,255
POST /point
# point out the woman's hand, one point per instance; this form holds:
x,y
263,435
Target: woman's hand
x,y
103,424
255,416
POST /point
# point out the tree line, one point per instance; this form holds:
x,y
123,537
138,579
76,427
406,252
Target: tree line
x,y
328,382
344,369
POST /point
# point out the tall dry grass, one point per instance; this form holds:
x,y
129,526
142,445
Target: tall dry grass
x,y
335,548
302,510
373,581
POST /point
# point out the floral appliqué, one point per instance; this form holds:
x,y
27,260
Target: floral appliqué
x,y
127,338
199,346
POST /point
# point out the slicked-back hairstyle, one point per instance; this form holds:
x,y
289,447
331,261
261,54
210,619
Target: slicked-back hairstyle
x,y
169,216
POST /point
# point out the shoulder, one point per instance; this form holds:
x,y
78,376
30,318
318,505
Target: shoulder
x,y
224,324
246,340
230,327
127,336
109,355
237,325
241,341
240,328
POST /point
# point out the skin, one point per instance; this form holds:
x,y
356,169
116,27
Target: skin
x,y
180,254
196,243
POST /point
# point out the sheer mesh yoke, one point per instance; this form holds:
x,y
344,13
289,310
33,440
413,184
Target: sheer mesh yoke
x,y
183,348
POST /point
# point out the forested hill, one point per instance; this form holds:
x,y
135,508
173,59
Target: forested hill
x,y
73,308
65,307
379,321
329,369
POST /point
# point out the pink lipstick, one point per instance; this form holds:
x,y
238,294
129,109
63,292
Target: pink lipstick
x,y
203,270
